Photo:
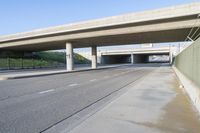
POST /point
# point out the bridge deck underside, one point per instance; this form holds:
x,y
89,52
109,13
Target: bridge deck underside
x,y
175,35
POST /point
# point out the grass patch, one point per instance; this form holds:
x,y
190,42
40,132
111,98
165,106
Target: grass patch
x,y
39,60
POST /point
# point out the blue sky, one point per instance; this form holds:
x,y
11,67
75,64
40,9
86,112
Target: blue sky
x,y
25,15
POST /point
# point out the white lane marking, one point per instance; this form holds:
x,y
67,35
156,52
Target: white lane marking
x,y
71,85
42,92
92,80
106,77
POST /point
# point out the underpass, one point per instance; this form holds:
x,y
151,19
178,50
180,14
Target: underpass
x,y
171,24
131,98
53,99
139,55
59,103
138,58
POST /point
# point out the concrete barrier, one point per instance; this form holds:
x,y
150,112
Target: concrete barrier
x,y
187,68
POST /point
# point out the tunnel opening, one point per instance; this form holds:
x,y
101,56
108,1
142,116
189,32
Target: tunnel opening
x,y
135,58
159,58
140,58
115,59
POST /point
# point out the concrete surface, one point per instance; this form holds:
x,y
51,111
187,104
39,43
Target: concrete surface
x,y
154,50
171,24
156,104
94,57
188,62
186,65
192,90
32,105
139,55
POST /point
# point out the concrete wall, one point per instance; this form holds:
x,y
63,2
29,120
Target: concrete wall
x,y
188,62
159,58
187,67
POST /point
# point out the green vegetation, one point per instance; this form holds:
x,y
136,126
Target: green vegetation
x,y
26,63
40,59
3,63
51,56
60,57
78,59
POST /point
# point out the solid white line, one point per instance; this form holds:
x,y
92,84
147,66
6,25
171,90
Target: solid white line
x,y
71,85
42,92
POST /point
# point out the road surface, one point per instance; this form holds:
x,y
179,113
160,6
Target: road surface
x,y
36,104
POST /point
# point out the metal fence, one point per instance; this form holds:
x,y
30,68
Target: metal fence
x,y
188,62
21,63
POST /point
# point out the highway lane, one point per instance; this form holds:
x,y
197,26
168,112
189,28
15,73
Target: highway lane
x,y
10,89
33,105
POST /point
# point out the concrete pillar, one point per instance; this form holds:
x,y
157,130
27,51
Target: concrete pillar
x,y
69,57
170,54
132,58
94,57
170,57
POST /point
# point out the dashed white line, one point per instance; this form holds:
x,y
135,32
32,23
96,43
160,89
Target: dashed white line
x,y
71,85
42,92
92,80
106,77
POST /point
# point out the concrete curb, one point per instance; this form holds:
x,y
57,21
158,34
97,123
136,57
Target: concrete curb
x,y
54,73
191,89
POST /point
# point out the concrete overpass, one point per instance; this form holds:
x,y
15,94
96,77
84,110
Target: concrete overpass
x,y
139,55
170,24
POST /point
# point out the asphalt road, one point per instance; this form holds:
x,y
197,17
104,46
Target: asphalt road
x,y
36,104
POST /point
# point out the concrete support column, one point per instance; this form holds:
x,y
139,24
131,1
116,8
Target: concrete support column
x,y
132,58
170,57
69,57
94,57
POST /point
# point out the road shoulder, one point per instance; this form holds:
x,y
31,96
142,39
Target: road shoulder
x,y
155,104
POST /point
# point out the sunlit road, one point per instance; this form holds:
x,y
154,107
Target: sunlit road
x,y
36,104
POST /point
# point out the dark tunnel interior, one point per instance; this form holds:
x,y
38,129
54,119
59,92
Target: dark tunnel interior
x,y
137,58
